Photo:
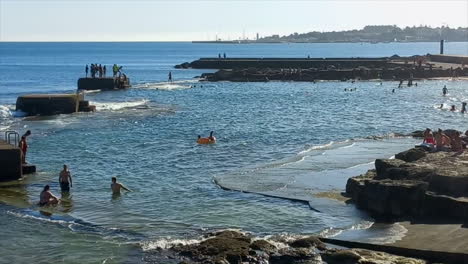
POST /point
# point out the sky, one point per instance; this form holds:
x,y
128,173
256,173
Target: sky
x,y
186,20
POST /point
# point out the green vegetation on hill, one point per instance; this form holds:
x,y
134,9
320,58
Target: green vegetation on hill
x,y
377,34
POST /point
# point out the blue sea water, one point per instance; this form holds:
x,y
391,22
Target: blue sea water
x,y
275,140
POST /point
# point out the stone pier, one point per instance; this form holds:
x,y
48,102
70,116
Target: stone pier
x,y
52,104
10,163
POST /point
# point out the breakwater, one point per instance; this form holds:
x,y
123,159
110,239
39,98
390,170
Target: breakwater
x,y
311,69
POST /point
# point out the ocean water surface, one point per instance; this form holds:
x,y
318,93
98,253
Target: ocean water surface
x,y
276,140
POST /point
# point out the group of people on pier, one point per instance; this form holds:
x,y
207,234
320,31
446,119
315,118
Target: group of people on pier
x,y
100,71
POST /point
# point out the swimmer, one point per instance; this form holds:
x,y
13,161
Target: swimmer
x,y
463,110
444,90
47,198
393,90
65,179
452,108
116,186
211,137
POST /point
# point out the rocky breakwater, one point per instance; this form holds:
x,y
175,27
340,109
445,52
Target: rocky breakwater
x,y
234,247
309,70
416,184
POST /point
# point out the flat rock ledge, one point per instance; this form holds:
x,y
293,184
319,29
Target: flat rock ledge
x,y
235,247
416,184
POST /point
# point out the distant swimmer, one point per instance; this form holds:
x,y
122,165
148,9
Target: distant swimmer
x,y
208,140
116,186
170,76
393,90
65,179
441,106
444,90
463,109
452,108
47,198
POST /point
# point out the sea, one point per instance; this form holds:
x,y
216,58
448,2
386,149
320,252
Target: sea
x,y
283,155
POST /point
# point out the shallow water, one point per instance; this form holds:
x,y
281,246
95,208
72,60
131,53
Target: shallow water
x,y
280,138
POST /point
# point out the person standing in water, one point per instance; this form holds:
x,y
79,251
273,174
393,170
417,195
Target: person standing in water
x,y
170,76
47,198
444,90
65,179
116,186
463,109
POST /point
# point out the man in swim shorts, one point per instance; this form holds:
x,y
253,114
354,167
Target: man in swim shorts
x,y
47,198
65,179
116,186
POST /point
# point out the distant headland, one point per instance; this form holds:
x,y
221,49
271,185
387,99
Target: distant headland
x,y
372,34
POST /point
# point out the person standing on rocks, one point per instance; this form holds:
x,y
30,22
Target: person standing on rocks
x,y
65,179
104,71
86,70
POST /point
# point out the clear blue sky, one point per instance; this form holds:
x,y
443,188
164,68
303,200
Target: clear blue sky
x,y
157,20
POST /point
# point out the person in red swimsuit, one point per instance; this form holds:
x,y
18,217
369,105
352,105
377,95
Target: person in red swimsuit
x,y
24,148
428,137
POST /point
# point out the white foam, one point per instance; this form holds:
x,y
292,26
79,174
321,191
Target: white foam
x,y
113,106
91,91
166,243
168,86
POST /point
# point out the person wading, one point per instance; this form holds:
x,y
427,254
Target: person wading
x,y
65,179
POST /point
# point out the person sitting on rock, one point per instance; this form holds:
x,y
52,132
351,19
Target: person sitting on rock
x,y
442,141
428,137
457,145
47,198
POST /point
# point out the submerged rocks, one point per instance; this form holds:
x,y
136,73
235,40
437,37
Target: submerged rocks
x,y
414,184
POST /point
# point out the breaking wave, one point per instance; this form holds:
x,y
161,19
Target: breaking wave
x,y
115,106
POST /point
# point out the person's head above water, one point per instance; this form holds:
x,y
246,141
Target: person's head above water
x,y
114,179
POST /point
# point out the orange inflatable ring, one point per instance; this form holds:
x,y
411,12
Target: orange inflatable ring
x,y
206,140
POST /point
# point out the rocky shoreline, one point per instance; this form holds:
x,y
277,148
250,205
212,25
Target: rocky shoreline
x,y
417,184
235,247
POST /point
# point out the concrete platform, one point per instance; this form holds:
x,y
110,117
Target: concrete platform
x,y
107,83
10,162
52,104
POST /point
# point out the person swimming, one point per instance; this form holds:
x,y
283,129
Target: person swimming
x,y
208,140
452,108
47,198
117,186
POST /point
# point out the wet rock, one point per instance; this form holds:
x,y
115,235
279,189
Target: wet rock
x,y
264,246
411,155
308,242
